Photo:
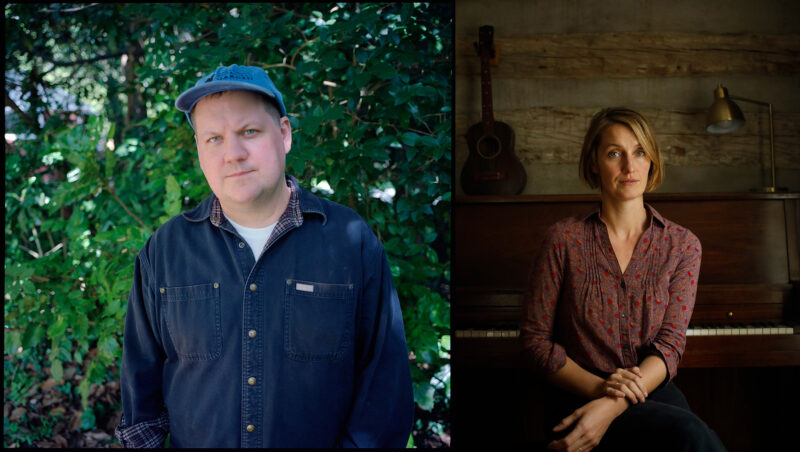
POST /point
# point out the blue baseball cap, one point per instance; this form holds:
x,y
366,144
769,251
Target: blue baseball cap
x,y
226,78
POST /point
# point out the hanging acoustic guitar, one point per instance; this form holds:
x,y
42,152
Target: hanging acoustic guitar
x,y
491,167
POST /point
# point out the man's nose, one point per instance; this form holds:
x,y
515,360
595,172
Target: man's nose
x,y
234,149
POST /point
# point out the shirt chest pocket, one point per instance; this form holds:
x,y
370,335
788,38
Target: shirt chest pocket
x,y
318,323
192,315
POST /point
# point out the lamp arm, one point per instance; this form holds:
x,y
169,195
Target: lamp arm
x,y
759,102
771,132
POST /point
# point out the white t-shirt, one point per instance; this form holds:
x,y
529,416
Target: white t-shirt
x,y
255,237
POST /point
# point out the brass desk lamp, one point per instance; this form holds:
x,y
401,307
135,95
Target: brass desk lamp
x,y
724,116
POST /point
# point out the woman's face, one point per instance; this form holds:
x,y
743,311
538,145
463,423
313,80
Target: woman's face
x,y
621,164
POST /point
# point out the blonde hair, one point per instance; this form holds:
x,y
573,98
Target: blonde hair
x,y
638,125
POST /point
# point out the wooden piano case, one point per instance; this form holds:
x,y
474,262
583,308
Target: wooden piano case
x,y
750,273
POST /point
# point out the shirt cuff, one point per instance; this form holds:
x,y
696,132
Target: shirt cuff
x,y
144,434
670,364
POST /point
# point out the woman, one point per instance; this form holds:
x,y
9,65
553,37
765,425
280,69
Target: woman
x,y
608,303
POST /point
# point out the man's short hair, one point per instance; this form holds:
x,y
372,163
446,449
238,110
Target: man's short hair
x,y
640,128
269,105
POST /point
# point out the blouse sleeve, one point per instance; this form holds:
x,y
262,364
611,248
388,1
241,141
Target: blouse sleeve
x,y
539,306
670,340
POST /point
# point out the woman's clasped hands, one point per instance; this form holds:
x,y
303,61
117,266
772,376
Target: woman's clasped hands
x,y
625,383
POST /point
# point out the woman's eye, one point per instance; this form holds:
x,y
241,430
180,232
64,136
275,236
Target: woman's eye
x,y
613,153
640,153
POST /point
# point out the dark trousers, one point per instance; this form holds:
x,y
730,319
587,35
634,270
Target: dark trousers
x,y
662,423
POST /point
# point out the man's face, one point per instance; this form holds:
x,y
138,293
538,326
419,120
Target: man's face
x,y
242,150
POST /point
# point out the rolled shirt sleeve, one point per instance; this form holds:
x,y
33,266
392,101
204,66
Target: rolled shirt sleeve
x,y
146,434
539,306
670,341
144,421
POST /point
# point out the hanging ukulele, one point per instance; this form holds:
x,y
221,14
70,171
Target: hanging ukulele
x,y
491,168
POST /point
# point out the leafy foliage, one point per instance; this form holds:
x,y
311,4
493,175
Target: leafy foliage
x,y
102,158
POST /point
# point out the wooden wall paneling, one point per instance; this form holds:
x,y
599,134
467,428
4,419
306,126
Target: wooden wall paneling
x,y
636,54
546,135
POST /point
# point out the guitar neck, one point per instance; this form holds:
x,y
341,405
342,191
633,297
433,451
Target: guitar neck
x,y
487,117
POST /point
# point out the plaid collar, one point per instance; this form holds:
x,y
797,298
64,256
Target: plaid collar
x,y
292,216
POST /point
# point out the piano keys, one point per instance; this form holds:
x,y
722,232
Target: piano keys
x,y
756,345
738,329
700,330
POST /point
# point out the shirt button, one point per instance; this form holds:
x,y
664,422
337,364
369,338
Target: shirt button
x,y
161,290
253,287
251,428
216,285
251,333
623,316
241,244
251,381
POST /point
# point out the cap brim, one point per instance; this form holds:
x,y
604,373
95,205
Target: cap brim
x,y
188,99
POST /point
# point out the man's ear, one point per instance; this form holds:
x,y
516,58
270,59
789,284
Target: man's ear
x,y
286,134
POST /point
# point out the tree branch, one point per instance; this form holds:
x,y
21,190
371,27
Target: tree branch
x,y
36,241
85,60
297,50
119,201
31,122
267,66
188,43
284,10
69,10
397,129
30,251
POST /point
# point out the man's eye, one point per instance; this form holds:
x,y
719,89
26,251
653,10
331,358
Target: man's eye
x,y
214,139
250,132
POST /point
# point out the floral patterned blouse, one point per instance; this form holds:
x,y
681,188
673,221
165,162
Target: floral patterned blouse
x,y
579,304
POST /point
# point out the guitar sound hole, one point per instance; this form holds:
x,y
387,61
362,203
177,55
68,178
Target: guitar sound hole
x,y
489,146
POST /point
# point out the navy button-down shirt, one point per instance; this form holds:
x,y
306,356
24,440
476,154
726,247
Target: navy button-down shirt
x,y
303,347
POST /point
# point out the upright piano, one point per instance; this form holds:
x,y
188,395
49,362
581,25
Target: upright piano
x,y
743,344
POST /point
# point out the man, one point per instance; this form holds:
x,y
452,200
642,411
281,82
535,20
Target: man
x,y
266,316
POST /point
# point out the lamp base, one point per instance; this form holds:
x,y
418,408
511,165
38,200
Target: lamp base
x,y
770,189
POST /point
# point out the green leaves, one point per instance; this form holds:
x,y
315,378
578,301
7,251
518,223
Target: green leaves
x,y
367,87
34,333
57,370
172,199
83,390
57,328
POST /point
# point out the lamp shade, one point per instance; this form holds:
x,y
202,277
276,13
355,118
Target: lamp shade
x,y
724,116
